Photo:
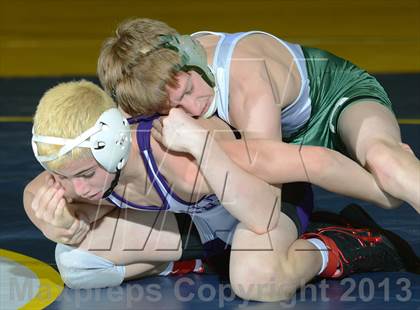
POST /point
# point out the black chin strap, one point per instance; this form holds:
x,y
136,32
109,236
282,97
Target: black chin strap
x,y
113,184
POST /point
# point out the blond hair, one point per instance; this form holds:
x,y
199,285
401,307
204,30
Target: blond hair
x,y
66,111
134,68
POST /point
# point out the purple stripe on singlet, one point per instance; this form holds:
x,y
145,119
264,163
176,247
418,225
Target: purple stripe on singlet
x,y
143,140
134,205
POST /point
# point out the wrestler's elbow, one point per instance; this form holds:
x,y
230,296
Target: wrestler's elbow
x,y
262,229
27,198
258,230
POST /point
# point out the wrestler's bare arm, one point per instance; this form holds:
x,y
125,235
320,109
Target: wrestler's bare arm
x,y
278,163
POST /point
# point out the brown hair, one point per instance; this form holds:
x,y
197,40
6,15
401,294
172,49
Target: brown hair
x,y
134,69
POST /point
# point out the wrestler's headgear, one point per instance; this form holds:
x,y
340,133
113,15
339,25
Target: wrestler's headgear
x,y
193,55
109,141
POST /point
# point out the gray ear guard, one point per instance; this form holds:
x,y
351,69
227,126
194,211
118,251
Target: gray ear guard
x,y
109,141
193,56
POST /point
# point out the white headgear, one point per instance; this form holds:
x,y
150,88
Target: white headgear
x,y
109,140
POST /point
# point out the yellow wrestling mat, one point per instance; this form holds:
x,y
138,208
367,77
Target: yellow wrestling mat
x,y
27,283
377,35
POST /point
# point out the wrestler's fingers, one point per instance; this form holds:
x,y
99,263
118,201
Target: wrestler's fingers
x,y
42,207
157,125
163,121
51,206
157,135
59,193
59,211
39,195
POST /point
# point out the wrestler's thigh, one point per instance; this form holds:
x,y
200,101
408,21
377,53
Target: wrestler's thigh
x,y
127,236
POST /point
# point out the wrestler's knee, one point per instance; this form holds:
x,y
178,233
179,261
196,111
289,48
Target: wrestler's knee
x,y
261,281
382,158
83,270
379,152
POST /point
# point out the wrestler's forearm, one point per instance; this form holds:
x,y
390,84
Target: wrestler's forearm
x,y
273,161
248,198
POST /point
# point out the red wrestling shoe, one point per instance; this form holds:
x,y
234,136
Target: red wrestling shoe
x,y
183,267
354,250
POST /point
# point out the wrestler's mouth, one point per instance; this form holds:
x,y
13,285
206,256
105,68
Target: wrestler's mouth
x,y
206,106
96,196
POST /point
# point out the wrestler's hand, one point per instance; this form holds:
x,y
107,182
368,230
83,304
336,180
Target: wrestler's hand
x,y
50,205
180,132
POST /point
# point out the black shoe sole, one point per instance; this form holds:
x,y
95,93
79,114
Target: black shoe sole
x,y
359,218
